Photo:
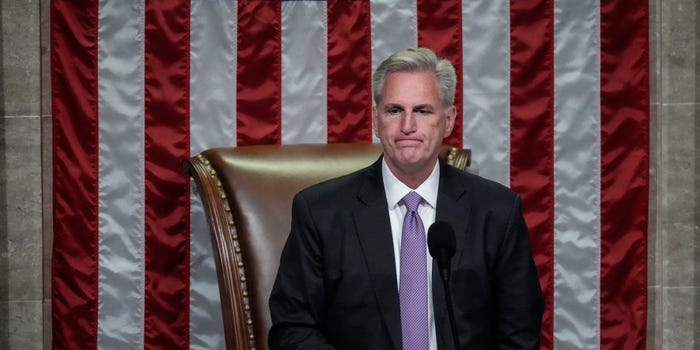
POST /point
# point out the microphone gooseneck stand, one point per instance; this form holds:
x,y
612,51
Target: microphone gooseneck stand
x,y
441,245
450,311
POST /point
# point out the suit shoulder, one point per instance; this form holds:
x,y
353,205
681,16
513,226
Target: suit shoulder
x,y
485,190
489,185
335,188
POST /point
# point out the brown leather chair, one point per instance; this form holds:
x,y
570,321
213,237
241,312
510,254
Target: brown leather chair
x,y
247,196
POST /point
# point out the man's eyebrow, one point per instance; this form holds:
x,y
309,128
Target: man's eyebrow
x,y
424,106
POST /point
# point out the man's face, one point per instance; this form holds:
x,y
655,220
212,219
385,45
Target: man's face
x,y
411,122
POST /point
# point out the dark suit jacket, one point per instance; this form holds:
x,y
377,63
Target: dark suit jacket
x,y
336,286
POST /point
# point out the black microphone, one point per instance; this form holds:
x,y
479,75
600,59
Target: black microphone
x,y
441,245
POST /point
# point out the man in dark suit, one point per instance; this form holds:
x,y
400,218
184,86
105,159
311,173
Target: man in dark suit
x,y
347,281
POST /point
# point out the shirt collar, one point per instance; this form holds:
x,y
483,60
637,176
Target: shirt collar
x,y
396,190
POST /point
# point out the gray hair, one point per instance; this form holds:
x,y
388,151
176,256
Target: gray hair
x,y
417,60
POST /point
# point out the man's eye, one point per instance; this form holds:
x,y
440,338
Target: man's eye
x,y
423,112
393,111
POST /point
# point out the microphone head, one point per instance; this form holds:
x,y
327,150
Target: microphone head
x,y
441,237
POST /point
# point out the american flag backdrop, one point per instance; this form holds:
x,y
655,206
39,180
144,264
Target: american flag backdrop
x,y
553,98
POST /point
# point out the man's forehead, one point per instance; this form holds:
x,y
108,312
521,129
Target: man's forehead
x,y
416,87
403,105
415,73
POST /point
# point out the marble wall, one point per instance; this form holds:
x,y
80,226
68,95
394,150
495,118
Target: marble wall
x,y
22,258
25,176
674,233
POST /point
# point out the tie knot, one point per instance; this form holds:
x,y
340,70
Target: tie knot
x,y
411,200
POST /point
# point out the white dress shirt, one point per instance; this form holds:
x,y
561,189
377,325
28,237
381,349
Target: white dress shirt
x,y
395,190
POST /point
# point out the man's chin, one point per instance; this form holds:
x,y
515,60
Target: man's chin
x,y
408,155
411,162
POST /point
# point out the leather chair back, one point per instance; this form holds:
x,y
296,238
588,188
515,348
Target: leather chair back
x,y
247,195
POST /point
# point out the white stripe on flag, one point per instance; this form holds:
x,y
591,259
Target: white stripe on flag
x,y
486,79
212,124
304,51
212,74
121,175
576,174
394,28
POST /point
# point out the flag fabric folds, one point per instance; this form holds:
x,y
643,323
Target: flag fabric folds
x,y
553,100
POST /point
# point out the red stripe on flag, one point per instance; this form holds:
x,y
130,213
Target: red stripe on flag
x,y
440,29
74,267
624,173
166,324
532,139
349,100
259,67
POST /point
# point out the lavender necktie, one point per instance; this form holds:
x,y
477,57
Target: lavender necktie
x,y
413,285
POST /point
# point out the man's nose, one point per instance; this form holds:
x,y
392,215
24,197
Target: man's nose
x,y
408,123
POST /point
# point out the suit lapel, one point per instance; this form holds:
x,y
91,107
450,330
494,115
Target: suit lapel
x,y
452,205
374,233
451,208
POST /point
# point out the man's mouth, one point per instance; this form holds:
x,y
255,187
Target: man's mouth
x,y
407,142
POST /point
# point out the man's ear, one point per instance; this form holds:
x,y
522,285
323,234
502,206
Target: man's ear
x,y
450,122
375,121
